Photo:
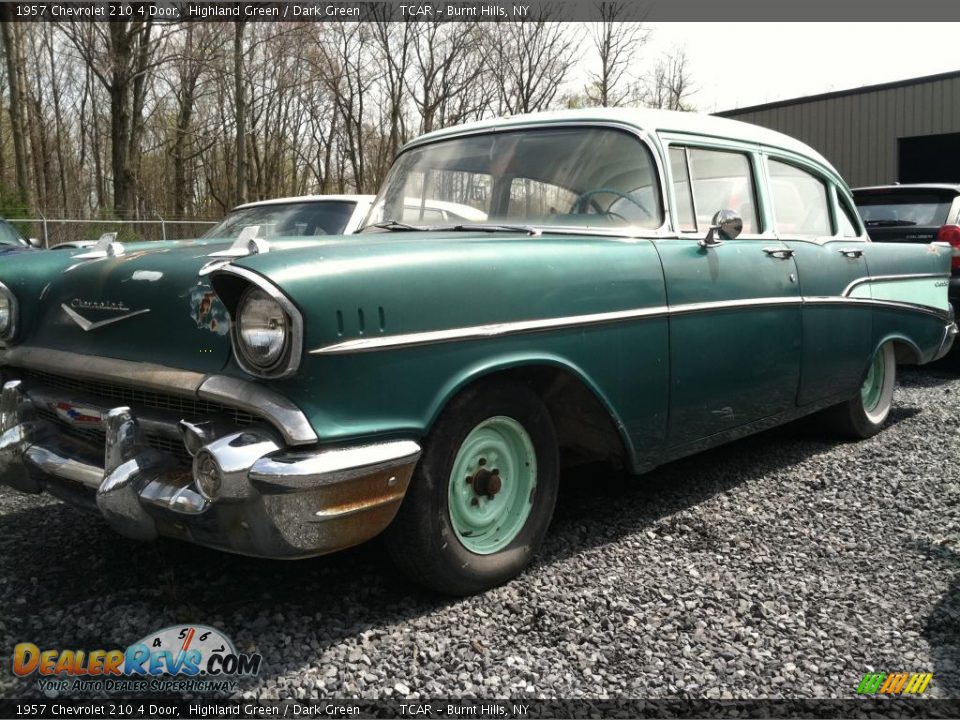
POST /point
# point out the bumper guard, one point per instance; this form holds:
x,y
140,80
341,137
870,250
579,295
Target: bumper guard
x,y
269,500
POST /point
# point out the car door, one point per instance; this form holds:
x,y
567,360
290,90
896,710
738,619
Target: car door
x,y
821,228
735,315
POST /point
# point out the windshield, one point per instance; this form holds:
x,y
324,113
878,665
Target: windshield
x,y
287,219
10,236
580,177
903,209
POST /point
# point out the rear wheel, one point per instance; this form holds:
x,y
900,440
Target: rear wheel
x,y
863,415
483,494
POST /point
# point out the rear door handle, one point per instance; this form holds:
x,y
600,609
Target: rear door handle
x,y
781,253
851,252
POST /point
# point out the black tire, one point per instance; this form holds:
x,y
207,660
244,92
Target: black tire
x,y
853,420
421,540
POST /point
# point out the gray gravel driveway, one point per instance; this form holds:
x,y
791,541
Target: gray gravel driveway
x,y
784,565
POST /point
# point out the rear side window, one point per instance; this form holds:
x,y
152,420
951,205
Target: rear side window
x,y
721,180
903,209
800,205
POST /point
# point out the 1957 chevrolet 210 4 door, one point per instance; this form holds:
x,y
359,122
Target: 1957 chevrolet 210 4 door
x,y
643,285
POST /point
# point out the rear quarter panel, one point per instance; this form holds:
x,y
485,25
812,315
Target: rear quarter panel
x,y
914,279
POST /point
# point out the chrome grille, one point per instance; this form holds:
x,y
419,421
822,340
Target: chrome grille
x,y
185,407
97,436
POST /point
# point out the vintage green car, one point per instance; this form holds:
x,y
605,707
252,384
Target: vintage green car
x,y
638,286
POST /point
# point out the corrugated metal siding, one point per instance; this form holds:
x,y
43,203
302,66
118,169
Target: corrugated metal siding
x,y
858,132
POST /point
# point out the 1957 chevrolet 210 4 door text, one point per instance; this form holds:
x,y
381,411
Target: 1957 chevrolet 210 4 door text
x,y
639,285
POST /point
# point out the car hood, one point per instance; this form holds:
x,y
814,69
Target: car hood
x,y
148,305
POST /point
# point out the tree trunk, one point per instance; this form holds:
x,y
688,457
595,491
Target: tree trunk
x,y
240,107
8,32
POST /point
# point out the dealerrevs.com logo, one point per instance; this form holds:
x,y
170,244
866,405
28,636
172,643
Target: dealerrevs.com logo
x,y
180,658
900,683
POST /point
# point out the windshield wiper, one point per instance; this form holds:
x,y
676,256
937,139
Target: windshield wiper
x,y
889,223
528,229
395,226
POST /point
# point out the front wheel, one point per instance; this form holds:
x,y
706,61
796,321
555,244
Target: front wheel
x,y
863,415
483,493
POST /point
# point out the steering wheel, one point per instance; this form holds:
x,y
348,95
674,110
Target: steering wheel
x,y
580,204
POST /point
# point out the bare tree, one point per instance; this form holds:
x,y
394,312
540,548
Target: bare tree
x,y
201,43
530,61
618,44
121,55
448,65
240,113
669,86
395,43
15,87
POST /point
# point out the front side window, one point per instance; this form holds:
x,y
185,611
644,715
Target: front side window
x,y
573,177
722,180
800,205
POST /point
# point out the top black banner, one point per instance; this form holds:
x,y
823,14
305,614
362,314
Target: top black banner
x,y
494,11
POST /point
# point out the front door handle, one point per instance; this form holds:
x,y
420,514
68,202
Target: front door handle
x,y
781,253
851,252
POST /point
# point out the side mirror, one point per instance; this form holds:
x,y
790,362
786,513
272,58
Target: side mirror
x,y
726,224
34,242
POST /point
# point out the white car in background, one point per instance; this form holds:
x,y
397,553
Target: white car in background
x,y
304,215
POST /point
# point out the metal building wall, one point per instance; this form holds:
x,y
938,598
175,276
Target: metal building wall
x,y
858,130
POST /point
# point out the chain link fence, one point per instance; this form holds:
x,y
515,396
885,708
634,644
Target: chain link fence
x,y
56,231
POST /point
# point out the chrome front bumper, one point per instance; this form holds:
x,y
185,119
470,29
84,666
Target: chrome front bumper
x,y
272,501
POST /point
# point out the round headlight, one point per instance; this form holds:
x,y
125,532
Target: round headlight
x,y
6,313
263,329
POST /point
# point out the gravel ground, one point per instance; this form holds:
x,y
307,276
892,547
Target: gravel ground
x,y
784,565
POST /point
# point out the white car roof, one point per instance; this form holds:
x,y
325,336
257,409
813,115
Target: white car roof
x,y
308,198
652,121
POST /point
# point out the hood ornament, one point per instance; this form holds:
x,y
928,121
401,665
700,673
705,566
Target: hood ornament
x,y
107,246
105,305
247,243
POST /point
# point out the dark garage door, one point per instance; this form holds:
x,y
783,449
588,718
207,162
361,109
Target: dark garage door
x,y
929,158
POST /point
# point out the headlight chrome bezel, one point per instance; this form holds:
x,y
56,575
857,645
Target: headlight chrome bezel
x,y
289,358
269,310
8,333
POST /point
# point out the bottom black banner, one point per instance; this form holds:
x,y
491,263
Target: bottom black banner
x,y
503,709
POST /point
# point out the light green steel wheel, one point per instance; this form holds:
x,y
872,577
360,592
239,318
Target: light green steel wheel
x,y
872,389
491,486
876,393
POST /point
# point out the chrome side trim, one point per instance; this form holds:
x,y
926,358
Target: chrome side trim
x,y
478,332
689,308
886,278
287,417
296,324
484,331
893,304
146,376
